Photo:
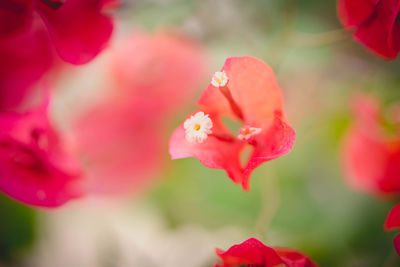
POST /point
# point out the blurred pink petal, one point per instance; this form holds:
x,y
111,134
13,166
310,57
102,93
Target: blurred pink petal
x,y
120,146
371,158
35,168
164,69
78,28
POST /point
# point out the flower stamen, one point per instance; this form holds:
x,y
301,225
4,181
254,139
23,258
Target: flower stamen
x,y
219,79
198,127
247,132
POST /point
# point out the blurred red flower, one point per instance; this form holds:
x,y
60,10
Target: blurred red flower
x,y
252,253
35,167
32,30
393,223
376,24
246,91
122,139
120,145
371,156
77,41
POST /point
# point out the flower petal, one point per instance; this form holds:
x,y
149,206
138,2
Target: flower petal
x,y
293,258
254,253
276,141
355,12
214,152
256,93
16,61
130,150
250,251
254,88
371,165
14,16
370,159
111,4
366,109
77,40
160,66
36,169
377,33
392,221
394,38
396,243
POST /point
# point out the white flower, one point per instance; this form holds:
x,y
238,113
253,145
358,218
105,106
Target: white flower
x,y
246,132
198,127
219,79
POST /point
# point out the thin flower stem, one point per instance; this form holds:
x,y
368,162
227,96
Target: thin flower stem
x,y
290,37
284,42
391,260
319,39
270,204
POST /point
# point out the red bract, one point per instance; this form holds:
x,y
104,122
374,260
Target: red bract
x,y
393,223
253,253
21,68
371,156
14,16
376,24
76,40
120,139
32,30
245,90
35,169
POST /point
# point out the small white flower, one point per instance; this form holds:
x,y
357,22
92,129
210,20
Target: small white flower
x,y
219,79
246,132
198,127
